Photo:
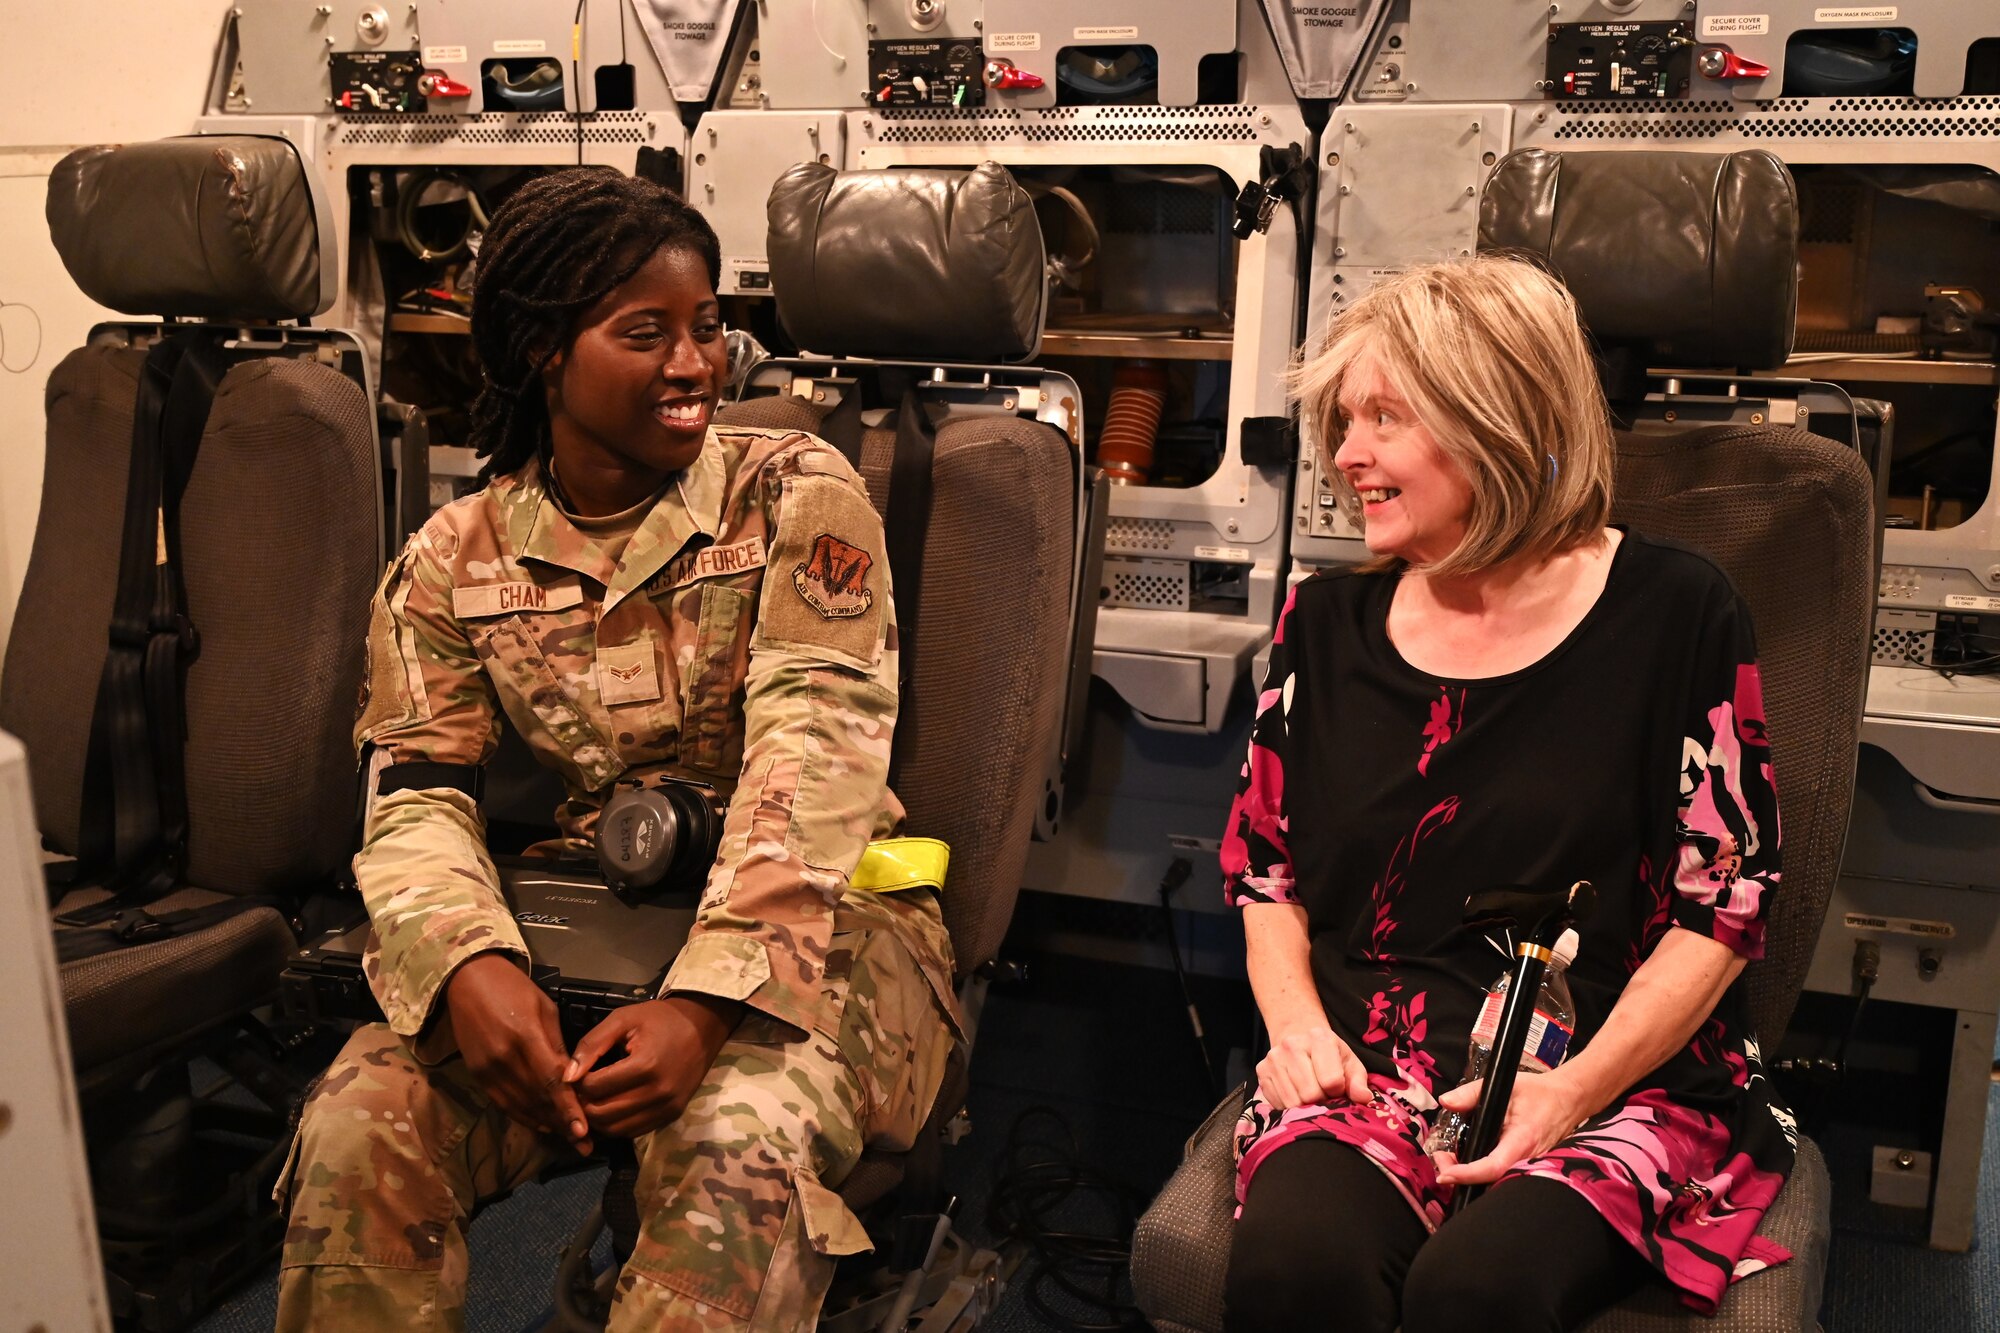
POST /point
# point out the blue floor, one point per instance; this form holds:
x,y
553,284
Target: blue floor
x,y
1125,1078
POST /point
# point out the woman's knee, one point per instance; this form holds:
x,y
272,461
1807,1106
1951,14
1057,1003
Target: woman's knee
x,y
1445,1288
1290,1267
1531,1256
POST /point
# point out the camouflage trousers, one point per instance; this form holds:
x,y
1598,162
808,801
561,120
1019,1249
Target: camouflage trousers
x,y
740,1228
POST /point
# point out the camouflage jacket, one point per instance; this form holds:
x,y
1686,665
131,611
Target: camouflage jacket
x,y
745,636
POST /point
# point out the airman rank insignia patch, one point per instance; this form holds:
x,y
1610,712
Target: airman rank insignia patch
x,y
833,578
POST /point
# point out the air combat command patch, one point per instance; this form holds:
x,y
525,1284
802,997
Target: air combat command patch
x,y
832,578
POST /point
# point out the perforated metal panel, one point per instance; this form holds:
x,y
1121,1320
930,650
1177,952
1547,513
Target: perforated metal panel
x,y
539,127
1903,638
1790,118
1154,585
1126,124
1139,534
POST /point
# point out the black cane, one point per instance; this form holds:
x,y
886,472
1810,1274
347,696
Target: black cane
x,y
1551,914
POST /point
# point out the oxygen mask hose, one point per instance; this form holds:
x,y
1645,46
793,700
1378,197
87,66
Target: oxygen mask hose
x,y
1132,422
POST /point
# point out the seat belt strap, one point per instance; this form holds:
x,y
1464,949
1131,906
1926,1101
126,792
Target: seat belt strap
x,y
174,643
841,427
907,523
133,828
135,925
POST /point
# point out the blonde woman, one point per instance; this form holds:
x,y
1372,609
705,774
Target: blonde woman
x,y
1509,692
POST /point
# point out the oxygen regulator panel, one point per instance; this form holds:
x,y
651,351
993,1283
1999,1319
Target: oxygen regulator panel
x,y
926,72
1592,61
377,82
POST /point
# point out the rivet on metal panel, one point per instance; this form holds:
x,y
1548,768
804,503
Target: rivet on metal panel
x,y
1471,190
1302,523
1475,127
1339,251
1338,279
819,395
979,25
709,186
1263,120
824,160
1233,526
1993,573
701,159
1347,189
865,122
1465,254
1409,87
1350,127
871,27
1672,415
1333,159
1756,418
1486,158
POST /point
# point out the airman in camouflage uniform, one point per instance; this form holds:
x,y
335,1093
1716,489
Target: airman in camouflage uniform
x,y
744,635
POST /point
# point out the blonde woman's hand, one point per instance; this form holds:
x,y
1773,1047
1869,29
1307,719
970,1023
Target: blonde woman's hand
x,y
1311,1066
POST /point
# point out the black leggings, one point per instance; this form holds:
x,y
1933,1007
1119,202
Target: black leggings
x,y
1325,1241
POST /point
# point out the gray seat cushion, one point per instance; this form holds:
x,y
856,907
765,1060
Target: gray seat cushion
x,y
1180,1251
136,1000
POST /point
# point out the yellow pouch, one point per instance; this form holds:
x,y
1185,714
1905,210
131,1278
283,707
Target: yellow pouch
x,y
895,864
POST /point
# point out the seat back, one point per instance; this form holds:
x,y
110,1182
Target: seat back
x,y
1789,516
997,613
281,523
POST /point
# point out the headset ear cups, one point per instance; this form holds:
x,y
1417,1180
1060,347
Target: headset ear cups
x,y
658,833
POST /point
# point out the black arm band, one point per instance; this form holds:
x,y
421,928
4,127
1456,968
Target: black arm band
x,y
468,778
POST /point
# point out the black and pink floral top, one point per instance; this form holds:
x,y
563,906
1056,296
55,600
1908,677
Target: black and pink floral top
x,y
1633,755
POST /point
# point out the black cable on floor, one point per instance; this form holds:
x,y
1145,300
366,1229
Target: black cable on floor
x,y
1040,1176
1177,874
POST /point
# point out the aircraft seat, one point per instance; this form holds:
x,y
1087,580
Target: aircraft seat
x,y
197,827
1684,259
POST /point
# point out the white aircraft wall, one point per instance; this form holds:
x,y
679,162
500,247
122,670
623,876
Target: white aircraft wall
x,y
101,72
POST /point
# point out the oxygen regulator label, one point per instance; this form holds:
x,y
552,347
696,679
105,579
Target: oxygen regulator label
x,y
1900,925
1734,25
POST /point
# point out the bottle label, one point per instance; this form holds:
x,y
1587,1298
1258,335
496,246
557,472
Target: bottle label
x,y
1548,1039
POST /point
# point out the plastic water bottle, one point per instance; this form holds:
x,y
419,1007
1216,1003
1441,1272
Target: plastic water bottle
x,y
1549,1036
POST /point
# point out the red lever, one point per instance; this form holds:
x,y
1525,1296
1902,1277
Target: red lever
x,y
1003,74
1719,62
436,83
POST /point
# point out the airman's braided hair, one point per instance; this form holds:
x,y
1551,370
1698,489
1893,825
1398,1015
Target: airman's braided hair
x,y
556,247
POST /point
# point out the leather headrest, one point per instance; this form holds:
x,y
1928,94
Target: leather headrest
x,y
1688,258
908,264
209,226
